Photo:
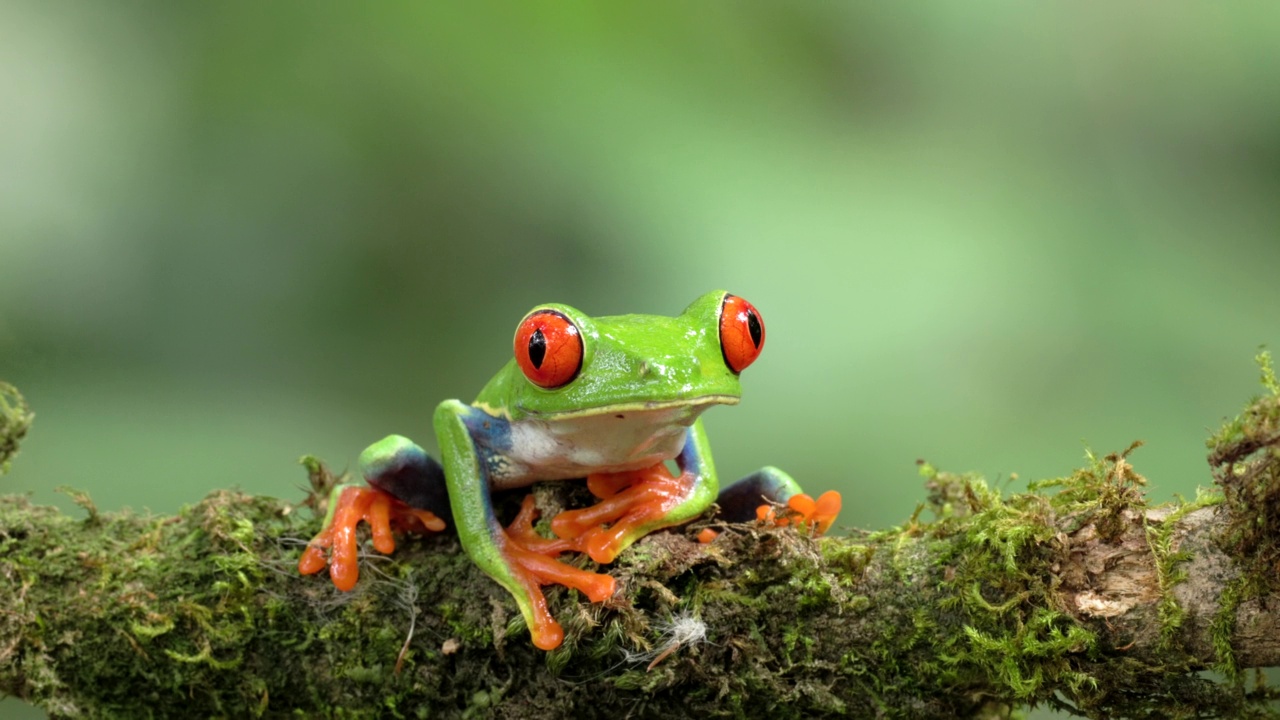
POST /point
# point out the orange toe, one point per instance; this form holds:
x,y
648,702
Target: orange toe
x,y
418,521
344,555
379,518
531,559
547,633
354,505
803,505
313,559
606,485
521,532
549,571
633,504
828,507
802,510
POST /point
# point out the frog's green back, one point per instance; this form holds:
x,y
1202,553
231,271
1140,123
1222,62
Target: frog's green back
x,y
628,361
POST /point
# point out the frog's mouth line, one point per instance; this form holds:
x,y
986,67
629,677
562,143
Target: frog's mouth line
x,y
624,408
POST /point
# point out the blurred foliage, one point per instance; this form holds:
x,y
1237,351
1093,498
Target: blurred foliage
x,y
231,234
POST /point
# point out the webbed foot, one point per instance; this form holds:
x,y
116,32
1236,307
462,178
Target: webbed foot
x,y
349,505
531,560
406,492
803,511
632,505
754,498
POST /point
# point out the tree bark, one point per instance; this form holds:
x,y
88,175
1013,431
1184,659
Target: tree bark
x,y
1075,594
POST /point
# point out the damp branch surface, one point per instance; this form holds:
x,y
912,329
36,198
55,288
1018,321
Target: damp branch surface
x,y
1075,594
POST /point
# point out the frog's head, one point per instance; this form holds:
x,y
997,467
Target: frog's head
x,y
568,364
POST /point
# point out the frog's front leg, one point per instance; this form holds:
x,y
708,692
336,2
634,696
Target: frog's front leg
x,y
639,502
406,491
516,557
752,498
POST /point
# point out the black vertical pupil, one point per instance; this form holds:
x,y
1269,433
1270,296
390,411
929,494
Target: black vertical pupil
x,y
753,327
538,348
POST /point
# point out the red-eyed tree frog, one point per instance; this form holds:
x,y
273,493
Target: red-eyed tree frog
x,y
609,399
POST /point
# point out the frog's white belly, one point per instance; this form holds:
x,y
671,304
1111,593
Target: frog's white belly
x,y
574,447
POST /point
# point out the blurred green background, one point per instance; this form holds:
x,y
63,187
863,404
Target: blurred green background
x,y
985,235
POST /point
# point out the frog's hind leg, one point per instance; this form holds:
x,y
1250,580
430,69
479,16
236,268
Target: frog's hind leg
x,y
739,501
398,467
636,503
406,491
755,496
516,557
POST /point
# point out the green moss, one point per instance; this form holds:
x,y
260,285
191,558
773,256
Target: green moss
x,y
1223,626
720,593
847,558
82,500
1268,371
998,556
1098,494
1017,659
146,632
461,628
15,421
1245,457
793,637
1168,570
999,572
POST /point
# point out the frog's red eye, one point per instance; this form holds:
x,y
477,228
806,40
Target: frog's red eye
x,y
548,349
741,333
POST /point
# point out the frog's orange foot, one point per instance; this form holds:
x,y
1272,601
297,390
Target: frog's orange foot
x,y
382,512
530,558
633,504
803,511
521,533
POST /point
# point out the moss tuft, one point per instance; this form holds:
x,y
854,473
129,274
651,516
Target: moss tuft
x,y
998,556
15,420
1245,457
1268,371
1169,572
1100,494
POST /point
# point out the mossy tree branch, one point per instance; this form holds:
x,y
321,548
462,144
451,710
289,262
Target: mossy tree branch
x,y
1075,594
